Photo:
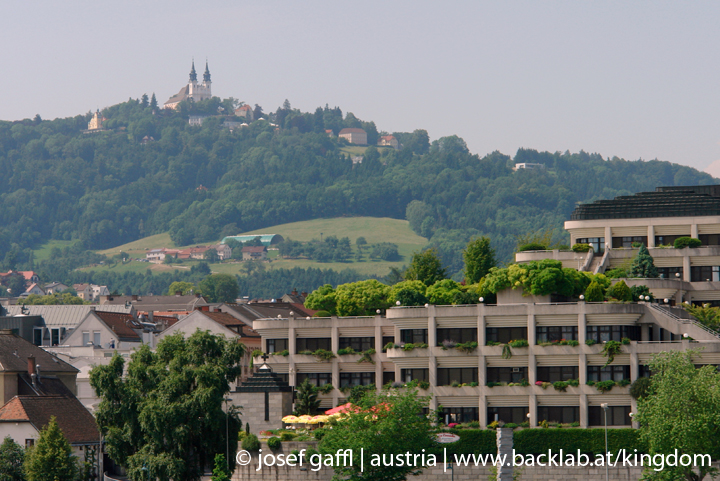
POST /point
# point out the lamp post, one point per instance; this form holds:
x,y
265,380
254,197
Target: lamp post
x,y
604,406
144,468
227,434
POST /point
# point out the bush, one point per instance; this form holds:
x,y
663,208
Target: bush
x,y
322,314
251,443
561,386
519,343
581,247
640,388
588,441
594,293
683,242
319,433
287,436
532,247
274,443
620,291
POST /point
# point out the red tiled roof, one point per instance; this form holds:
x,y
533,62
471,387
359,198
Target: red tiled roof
x,y
121,324
254,249
75,421
387,137
352,130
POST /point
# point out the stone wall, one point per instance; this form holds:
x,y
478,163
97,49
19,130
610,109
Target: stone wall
x,y
305,473
253,409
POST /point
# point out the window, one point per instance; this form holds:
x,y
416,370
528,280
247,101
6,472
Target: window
x,y
515,415
618,242
504,335
357,343
277,345
37,336
506,374
705,273
54,337
670,272
557,373
644,371
312,344
285,377
315,378
597,243
85,338
667,240
465,334
29,443
609,373
357,378
613,333
407,375
616,416
386,340
459,415
388,377
710,239
96,338
414,336
463,375
556,333
559,414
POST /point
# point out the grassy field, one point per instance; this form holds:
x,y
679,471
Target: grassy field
x,y
373,229
43,252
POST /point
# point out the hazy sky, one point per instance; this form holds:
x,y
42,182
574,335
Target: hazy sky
x,y
631,79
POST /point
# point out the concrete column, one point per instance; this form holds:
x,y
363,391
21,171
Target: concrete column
x,y
482,371
292,347
505,448
482,410
651,236
582,368
432,371
532,409
378,349
633,411
334,346
432,327
634,366
644,332
481,325
694,231
686,268
582,323
608,237
583,410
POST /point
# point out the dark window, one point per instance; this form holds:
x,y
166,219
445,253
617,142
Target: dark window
x,y
276,345
463,375
559,414
459,415
407,375
515,415
388,376
506,374
556,333
557,373
597,243
504,335
609,373
285,377
613,333
670,272
315,378
704,273
37,336
616,416
414,336
386,340
667,240
357,378
29,443
55,337
312,344
465,334
644,371
710,239
357,343
618,242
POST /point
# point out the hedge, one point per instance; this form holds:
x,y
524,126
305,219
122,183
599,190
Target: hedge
x,y
538,441
532,247
683,242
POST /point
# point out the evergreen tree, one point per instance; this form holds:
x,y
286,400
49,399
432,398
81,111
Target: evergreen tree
x,y
621,292
594,293
11,461
144,100
153,102
479,258
426,267
220,472
52,457
643,265
307,399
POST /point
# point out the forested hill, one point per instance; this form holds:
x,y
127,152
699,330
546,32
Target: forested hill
x,y
199,183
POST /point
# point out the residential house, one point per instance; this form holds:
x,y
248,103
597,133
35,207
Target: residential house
x,y
224,251
107,330
29,277
528,166
254,253
55,288
176,305
196,120
84,291
34,289
199,252
246,112
389,141
98,291
354,135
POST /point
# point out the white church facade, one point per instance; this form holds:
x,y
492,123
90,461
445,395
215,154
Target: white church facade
x,y
194,90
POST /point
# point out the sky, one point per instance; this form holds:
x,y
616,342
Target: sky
x,y
632,79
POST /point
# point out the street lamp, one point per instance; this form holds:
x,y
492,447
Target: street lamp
x,y
227,434
144,468
604,406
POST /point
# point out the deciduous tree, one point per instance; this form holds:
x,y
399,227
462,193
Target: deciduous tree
x,y
12,456
51,458
426,267
479,258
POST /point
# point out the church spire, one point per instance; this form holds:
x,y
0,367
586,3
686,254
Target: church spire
x,y
206,75
193,74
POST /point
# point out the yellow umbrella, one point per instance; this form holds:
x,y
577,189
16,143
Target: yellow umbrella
x,y
290,419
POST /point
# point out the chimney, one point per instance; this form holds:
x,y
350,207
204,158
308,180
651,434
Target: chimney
x,y
304,294
134,297
294,292
32,370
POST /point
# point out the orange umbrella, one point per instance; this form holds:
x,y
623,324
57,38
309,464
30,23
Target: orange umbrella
x,y
340,409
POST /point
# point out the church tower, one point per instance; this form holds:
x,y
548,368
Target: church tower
x,y
194,91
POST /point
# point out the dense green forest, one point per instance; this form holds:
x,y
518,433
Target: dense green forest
x,y
203,182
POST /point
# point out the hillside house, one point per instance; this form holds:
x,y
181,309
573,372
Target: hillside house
x,y
246,112
254,253
354,135
84,291
107,330
55,288
528,166
224,251
34,289
389,141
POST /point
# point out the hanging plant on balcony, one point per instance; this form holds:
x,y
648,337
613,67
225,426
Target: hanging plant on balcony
x,y
506,352
365,356
323,355
467,347
610,350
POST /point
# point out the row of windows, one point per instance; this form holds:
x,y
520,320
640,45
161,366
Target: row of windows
x,y
446,376
616,415
346,378
313,344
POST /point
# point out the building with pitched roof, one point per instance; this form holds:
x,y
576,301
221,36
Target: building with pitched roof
x,y
354,135
194,91
177,304
389,141
254,253
107,330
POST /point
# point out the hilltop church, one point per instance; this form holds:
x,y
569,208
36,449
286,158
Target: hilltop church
x,y
194,90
